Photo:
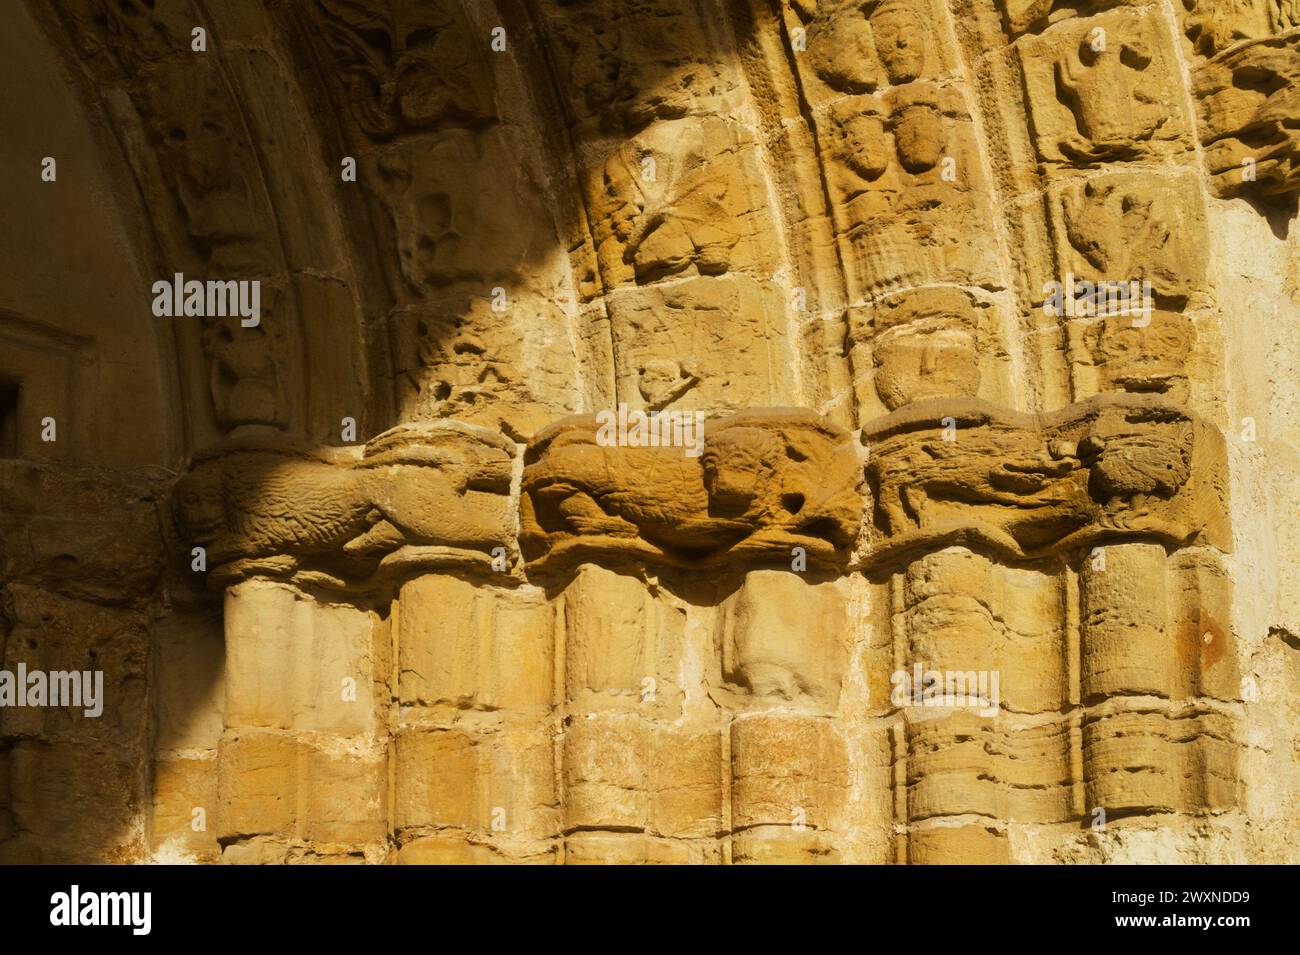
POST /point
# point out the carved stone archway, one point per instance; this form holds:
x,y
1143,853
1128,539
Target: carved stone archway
x,y
436,616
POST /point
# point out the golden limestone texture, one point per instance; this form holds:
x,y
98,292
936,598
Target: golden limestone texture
x,y
655,431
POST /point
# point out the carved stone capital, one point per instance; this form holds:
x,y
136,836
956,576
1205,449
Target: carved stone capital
x,y
768,481
416,496
946,472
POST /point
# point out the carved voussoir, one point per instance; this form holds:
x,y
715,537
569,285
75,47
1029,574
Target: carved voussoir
x,y
416,496
1249,100
767,482
1114,466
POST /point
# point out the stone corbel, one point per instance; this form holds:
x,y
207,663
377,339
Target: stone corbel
x,y
767,482
416,497
945,472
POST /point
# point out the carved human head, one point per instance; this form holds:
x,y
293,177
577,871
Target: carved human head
x,y
919,136
1149,357
926,346
860,140
901,37
200,507
739,465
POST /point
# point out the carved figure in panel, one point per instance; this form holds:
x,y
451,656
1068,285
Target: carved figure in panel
x,y
137,32
510,371
1215,25
1115,354
624,65
204,154
855,47
920,344
464,208
1132,227
1103,88
242,375
710,343
682,197
408,65
906,184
